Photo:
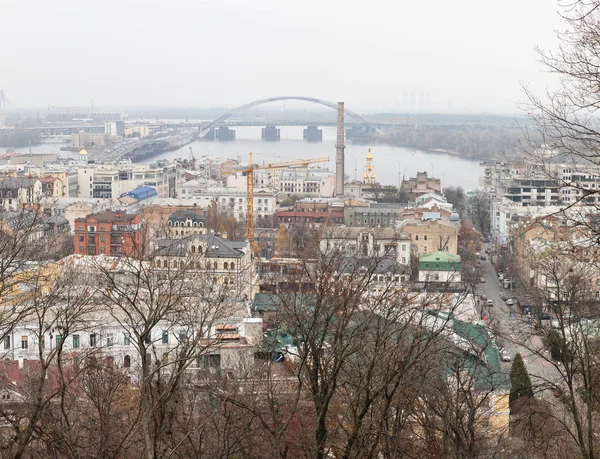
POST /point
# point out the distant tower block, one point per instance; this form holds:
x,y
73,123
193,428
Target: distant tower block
x,y
339,151
369,176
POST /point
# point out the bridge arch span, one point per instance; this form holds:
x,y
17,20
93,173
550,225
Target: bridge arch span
x,y
313,100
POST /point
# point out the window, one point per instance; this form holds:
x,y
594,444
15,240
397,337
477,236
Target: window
x,y
93,339
110,340
43,341
416,237
7,342
182,336
126,339
165,337
81,238
225,266
148,338
75,341
24,342
232,265
425,237
127,361
58,340
215,265
425,249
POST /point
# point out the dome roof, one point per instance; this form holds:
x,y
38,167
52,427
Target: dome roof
x,y
83,151
454,217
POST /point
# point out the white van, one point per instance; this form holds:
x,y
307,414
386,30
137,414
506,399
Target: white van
x,y
506,283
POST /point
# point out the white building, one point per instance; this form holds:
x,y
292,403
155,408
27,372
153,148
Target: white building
x,y
362,242
111,181
114,128
311,182
230,201
15,192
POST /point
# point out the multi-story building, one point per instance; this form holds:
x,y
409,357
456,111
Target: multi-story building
x,y
431,234
184,223
109,233
52,186
89,139
114,128
503,210
362,242
231,202
421,184
16,192
311,182
111,181
440,267
228,263
375,214
313,212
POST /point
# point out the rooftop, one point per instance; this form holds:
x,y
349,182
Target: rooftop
x,y
216,247
440,256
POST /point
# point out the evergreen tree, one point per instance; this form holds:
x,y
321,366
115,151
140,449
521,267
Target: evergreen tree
x,y
519,380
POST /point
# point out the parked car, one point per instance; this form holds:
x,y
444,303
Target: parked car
x,y
483,258
490,303
503,296
505,356
482,279
509,302
555,324
500,277
506,283
545,316
486,239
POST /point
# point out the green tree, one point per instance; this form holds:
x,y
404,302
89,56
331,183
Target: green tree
x,y
519,380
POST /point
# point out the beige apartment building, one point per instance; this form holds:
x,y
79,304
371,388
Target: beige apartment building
x,y
431,235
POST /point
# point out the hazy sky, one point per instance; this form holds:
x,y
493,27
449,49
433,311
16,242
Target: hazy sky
x,y
466,55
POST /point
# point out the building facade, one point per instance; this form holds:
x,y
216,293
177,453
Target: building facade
x,y
109,233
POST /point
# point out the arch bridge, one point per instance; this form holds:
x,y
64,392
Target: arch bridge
x,y
250,105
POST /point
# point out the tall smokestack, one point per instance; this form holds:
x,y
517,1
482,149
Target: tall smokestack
x,y
339,151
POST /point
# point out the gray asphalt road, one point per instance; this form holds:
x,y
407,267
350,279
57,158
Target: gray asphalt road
x,y
516,335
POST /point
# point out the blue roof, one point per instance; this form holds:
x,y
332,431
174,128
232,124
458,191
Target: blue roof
x,y
141,193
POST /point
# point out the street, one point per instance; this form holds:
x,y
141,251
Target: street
x,y
516,333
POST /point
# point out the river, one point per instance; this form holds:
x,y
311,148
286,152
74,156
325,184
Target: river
x,y
391,163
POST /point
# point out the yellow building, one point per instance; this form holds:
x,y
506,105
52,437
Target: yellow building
x,y
429,236
369,176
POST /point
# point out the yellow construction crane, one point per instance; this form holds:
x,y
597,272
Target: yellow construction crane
x,y
249,171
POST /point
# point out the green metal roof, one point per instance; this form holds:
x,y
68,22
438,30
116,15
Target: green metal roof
x,y
444,257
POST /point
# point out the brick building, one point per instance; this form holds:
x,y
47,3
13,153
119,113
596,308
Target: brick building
x,y
313,212
108,233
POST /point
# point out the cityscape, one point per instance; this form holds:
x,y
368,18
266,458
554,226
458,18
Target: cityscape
x,y
354,271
